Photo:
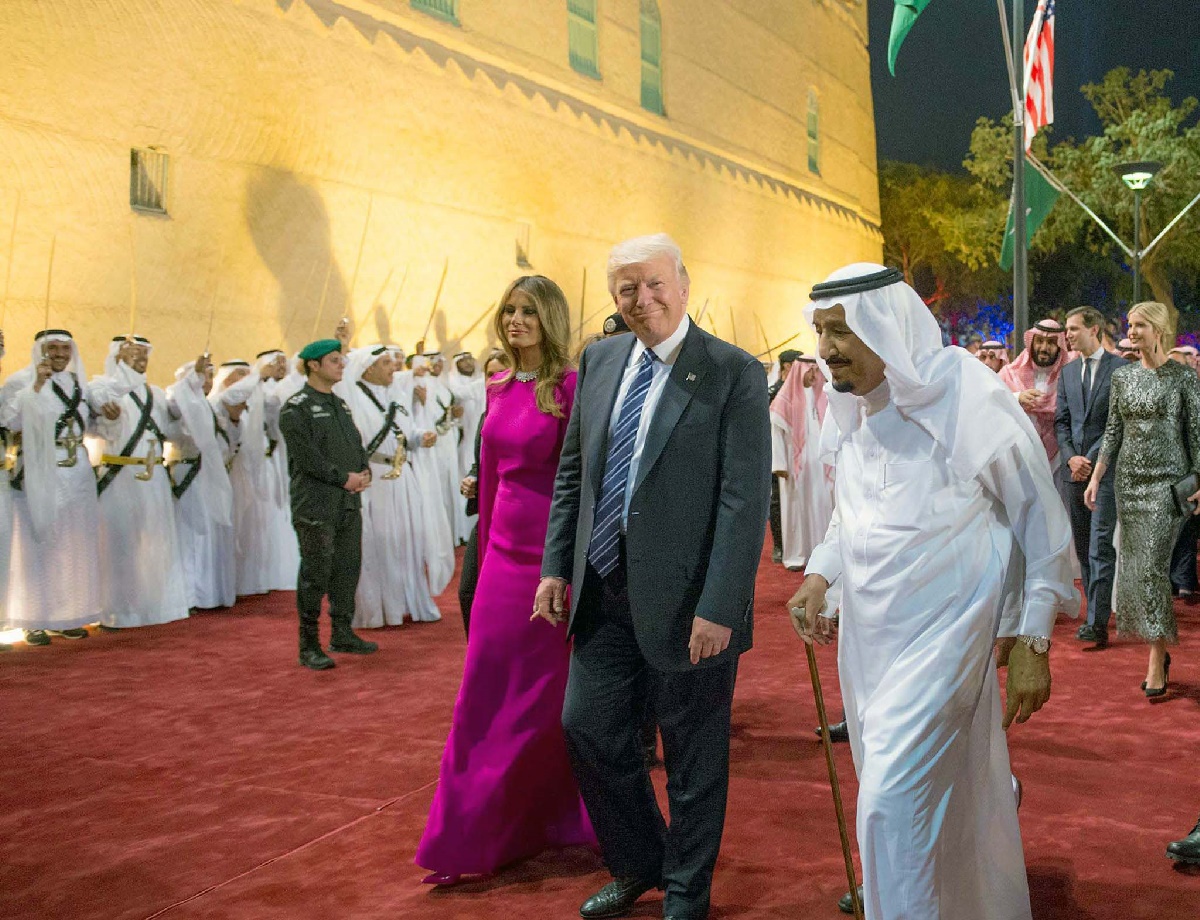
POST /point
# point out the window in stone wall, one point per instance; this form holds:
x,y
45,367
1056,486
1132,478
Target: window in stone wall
x,y
814,133
652,84
148,170
582,40
442,9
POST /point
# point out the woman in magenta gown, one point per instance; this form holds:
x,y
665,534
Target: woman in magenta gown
x,y
505,790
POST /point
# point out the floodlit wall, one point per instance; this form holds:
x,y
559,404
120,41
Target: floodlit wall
x,y
350,151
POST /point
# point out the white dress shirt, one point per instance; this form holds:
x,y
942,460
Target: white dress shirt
x,y
666,351
1094,357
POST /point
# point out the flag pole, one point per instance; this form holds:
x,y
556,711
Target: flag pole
x,y
1020,229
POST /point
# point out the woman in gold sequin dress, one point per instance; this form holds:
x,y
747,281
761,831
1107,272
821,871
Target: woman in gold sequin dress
x,y
1154,435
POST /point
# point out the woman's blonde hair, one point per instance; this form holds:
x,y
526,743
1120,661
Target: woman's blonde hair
x,y
555,318
1159,318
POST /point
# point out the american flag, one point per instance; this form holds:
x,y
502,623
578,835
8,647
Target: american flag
x,y
1039,72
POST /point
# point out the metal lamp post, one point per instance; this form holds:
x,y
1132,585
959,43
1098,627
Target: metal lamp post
x,y
1137,176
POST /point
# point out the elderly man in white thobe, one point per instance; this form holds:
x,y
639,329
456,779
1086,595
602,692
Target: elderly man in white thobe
x,y
806,484
142,580
947,534
203,493
392,584
54,577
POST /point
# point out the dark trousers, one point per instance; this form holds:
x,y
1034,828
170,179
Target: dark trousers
x,y
469,578
330,560
776,516
606,691
1183,557
1093,532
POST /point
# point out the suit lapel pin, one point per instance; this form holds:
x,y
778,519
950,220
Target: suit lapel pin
x,y
691,377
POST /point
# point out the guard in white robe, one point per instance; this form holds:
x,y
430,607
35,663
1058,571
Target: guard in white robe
x,y
198,463
392,584
806,483
409,390
54,574
142,582
261,548
282,549
947,533
443,413
466,382
8,459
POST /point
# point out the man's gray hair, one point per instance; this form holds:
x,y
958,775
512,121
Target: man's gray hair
x,y
643,249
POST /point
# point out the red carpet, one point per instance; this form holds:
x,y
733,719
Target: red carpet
x,y
195,771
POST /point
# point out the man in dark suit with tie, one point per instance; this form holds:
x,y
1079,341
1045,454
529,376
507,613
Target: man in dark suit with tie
x,y
658,520
1079,420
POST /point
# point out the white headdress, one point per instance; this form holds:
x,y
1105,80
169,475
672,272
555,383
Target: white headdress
x,y
945,390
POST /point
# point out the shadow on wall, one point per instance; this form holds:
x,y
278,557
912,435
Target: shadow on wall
x,y
289,224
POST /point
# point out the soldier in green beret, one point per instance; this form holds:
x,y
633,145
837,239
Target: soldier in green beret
x,y
328,469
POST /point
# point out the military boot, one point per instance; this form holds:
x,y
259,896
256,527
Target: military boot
x,y
344,640
311,655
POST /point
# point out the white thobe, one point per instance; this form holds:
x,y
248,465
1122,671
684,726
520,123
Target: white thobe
x,y
285,548
268,554
806,495
435,521
445,451
392,583
207,547
54,583
6,530
924,562
142,580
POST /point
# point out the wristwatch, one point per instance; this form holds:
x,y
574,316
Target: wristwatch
x,y
1039,645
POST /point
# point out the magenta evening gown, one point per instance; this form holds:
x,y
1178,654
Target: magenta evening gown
x,y
505,790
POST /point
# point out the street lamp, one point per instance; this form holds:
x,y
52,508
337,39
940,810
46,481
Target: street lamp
x,y
1137,176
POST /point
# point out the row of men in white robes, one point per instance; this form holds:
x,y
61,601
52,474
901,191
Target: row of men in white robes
x,y
130,505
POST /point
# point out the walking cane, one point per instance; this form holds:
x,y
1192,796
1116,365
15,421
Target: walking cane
x,y
833,778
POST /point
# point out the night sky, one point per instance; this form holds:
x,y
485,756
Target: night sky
x,y
951,68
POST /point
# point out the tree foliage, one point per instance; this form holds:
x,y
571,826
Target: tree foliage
x,y
945,231
1139,122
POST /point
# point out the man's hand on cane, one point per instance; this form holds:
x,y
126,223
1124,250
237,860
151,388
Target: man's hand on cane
x,y
550,601
805,609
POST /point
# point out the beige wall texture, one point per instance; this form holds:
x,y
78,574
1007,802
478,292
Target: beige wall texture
x,y
374,145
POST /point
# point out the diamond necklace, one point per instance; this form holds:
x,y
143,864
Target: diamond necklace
x,y
525,376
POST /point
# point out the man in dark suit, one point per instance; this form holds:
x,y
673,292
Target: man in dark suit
x,y
658,520
1079,420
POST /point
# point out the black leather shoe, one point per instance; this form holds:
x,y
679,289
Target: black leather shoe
x,y
846,904
838,732
311,655
615,899
345,641
36,637
1086,633
1187,850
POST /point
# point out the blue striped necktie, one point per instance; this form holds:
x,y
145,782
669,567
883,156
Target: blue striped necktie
x,y
606,532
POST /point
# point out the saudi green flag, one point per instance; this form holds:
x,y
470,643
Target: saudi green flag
x,y
1040,196
903,17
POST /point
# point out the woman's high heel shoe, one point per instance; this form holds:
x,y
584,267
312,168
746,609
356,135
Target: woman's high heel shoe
x,y
440,878
1151,693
